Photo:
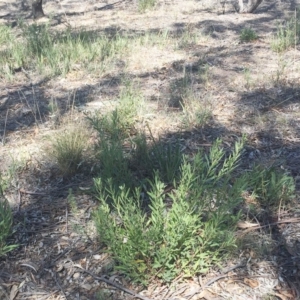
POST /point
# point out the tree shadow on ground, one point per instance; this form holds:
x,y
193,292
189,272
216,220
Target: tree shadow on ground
x,y
275,141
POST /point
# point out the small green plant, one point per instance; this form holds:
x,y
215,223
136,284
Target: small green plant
x,y
53,106
187,38
196,111
5,34
103,295
9,176
281,68
117,124
204,74
77,224
271,187
113,129
110,151
248,35
67,148
56,53
287,35
247,77
150,39
180,88
130,103
166,234
3,183
72,203
158,156
146,4
6,221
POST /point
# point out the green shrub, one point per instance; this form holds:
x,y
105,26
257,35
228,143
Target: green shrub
x,y
182,232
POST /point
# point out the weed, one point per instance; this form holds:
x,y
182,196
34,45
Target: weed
x,y
53,106
204,74
271,187
151,39
146,4
187,38
103,295
9,177
6,220
5,35
67,147
180,88
182,232
112,132
196,111
113,128
247,76
160,156
280,72
116,125
77,225
248,35
287,35
56,53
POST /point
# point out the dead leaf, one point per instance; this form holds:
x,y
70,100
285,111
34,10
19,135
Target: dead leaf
x,y
13,292
285,294
251,282
280,296
29,265
244,225
205,294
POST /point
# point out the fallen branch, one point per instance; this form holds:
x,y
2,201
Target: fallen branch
x,y
254,226
211,281
114,284
31,193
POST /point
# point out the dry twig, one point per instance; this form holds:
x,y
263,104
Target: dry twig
x,y
114,284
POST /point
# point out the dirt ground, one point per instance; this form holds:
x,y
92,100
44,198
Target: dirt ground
x,y
57,245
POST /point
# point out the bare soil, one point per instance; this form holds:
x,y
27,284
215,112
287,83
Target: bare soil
x,y
56,245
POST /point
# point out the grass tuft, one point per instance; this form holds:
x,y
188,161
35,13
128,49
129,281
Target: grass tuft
x,y
67,148
270,187
51,53
248,35
287,35
113,129
144,5
6,221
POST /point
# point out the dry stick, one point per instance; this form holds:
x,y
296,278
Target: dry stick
x,y
3,139
36,105
20,200
67,218
59,285
31,193
223,275
291,220
116,285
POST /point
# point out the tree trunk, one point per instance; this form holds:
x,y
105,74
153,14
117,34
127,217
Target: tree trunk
x,y
250,7
37,9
